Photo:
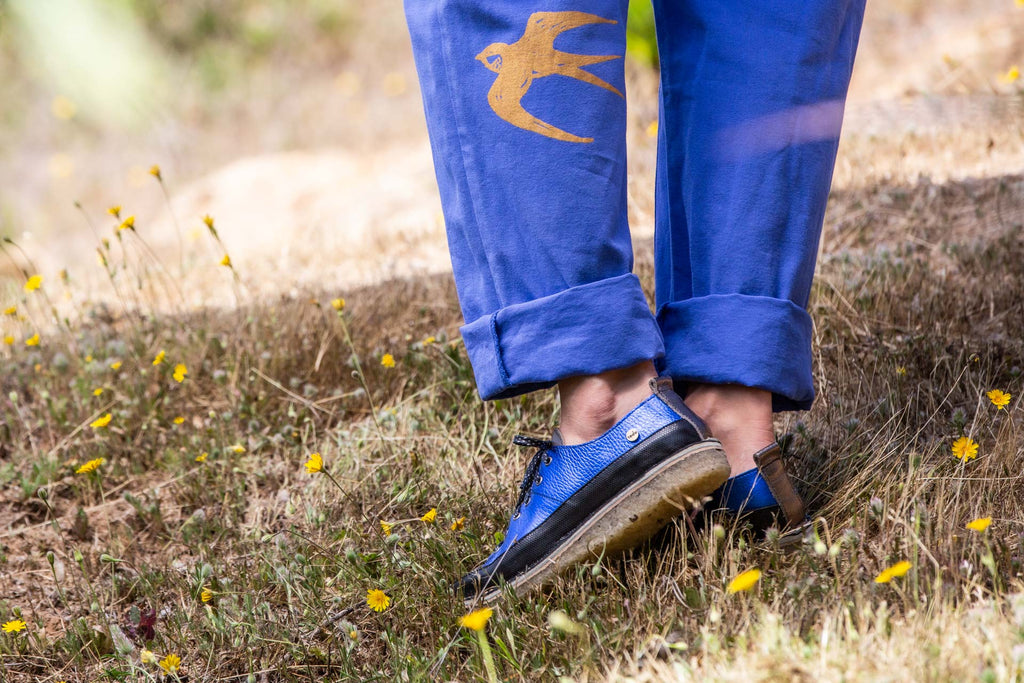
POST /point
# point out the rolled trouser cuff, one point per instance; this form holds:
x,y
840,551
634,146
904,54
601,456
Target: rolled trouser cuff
x,y
755,341
582,330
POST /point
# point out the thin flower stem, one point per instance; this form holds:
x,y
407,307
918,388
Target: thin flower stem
x,y
362,381
487,656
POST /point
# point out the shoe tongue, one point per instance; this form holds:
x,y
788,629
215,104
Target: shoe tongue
x,y
556,437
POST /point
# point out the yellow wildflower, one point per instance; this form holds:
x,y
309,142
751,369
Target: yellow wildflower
x,y
33,283
14,626
429,340
315,463
965,448
88,358
179,372
999,398
159,357
226,261
116,365
901,371
179,420
744,581
206,595
652,129
430,516
90,466
127,224
979,524
338,304
9,339
476,620
388,360
171,663
147,657
202,457
102,421
154,171
1011,76
33,340
386,527
377,600
115,211
238,448
898,569
458,524
10,310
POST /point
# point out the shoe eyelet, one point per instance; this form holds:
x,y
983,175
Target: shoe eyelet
x,y
516,516
537,480
547,459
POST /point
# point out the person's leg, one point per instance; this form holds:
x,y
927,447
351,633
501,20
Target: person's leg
x,y
752,96
526,116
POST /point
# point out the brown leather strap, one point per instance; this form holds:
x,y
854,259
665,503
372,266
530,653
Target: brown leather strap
x,y
773,471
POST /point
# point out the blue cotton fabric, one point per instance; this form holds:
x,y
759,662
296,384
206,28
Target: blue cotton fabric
x,y
527,119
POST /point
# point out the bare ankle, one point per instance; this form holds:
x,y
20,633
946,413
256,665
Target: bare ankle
x,y
738,416
592,404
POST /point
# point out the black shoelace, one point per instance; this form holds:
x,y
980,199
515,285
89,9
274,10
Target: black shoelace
x,y
532,469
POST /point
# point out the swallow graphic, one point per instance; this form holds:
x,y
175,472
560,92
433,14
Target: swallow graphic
x,y
534,56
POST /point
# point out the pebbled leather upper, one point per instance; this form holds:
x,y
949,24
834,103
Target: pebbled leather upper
x,y
565,469
744,493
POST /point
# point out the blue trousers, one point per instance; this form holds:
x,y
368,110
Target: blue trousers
x,y
527,122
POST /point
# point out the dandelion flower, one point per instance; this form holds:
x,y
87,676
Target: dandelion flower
x,y
97,391
154,171
979,524
430,516
965,448
458,524
101,421
147,657
476,620
238,448
9,340
206,595
999,398
744,581
159,357
90,466
33,340
179,372
388,360
10,310
315,463
33,283
179,420
385,527
1011,76
202,457
127,224
901,371
429,340
116,365
14,626
338,304
226,261
377,600
171,663
898,569
115,211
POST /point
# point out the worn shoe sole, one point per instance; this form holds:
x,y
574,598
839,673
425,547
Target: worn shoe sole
x,y
631,517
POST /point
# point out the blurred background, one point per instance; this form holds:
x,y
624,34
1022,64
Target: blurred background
x,y
297,125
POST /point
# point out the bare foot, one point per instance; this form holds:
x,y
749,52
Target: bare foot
x,y
738,416
592,404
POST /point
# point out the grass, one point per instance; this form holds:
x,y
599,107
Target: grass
x,y
910,335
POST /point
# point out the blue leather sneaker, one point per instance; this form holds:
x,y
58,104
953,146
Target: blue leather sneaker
x,y
603,496
763,496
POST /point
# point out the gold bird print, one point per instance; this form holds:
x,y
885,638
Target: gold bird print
x,y
534,56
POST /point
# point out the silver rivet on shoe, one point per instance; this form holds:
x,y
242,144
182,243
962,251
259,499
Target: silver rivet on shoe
x,y
632,435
